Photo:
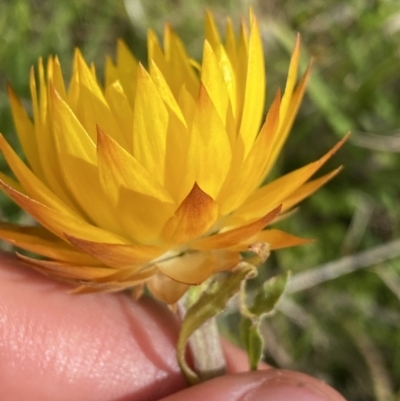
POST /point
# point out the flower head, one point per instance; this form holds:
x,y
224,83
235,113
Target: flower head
x,y
155,177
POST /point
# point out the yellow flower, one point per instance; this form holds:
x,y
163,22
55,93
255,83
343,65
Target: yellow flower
x,y
155,177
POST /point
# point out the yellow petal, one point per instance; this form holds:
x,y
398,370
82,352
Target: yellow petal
x,y
165,289
255,89
149,133
127,70
26,132
176,160
209,152
212,35
165,91
67,271
235,236
286,120
191,268
111,73
291,78
78,160
214,82
277,191
179,61
196,214
47,152
60,222
31,184
55,76
226,260
92,109
276,239
42,242
117,255
122,111
117,168
307,189
141,217
230,44
243,180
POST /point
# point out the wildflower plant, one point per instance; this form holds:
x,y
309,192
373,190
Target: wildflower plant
x,y
155,180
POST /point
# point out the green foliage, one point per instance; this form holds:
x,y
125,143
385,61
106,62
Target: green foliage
x,y
355,86
265,301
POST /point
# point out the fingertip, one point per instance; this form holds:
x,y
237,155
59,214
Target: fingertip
x,y
267,385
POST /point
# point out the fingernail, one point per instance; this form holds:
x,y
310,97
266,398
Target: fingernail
x,y
291,386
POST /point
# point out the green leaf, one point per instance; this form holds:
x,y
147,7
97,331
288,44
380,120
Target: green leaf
x,y
264,303
252,341
269,295
210,303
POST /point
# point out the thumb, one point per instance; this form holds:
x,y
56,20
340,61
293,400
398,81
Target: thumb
x,y
266,385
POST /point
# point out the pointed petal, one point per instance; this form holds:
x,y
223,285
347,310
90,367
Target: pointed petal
x,y
291,78
277,191
276,239
110,72
26,132
165,91
196,214
122,111
78,161
165,289
235,236
127,67
142,217
191,268
230,44
244,180
118,168
117,255
210,151
93,110
67,271
213,80
178,60
176,159
226,260
286,121
31,184
255,89
150,133
42,242
60,222
307,189
212,35
55,76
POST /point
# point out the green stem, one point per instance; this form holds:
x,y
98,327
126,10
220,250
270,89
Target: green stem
x,y
205,343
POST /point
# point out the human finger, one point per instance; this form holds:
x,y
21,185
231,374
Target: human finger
x,y
265,385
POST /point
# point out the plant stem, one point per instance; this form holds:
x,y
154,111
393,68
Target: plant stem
x,y
205,343
206,350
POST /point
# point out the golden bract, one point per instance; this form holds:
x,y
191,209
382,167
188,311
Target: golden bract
x,y
156,177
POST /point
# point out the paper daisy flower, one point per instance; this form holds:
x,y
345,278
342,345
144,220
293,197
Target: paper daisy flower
x,y
155,178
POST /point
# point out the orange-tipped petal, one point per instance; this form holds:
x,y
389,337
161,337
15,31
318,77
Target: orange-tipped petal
x,y
117,255
165,289
276,239
43,242
191,268
196,214
235,236
279,190
209,150
58,221
308,188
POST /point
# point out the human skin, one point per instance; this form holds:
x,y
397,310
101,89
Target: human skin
x,y
55,346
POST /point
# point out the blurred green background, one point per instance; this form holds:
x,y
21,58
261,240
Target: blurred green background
x,y
344,330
